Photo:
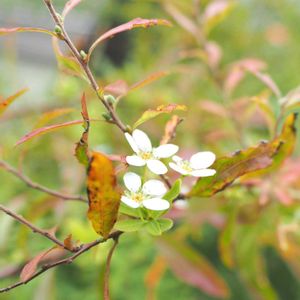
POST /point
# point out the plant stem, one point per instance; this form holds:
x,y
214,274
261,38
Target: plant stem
x,y
107,269
65,37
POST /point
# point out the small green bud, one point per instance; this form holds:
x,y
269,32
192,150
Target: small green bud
x,y
106,116
58,30
111,100
83,55
128,129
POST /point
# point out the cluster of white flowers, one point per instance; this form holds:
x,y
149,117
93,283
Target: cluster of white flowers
x,y
149,195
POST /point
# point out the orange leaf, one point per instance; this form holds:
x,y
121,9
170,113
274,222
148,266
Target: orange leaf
x,y
4,31
135,23
43,130
68,242
170,129
148,80
162,109
48,116
5,103
104,197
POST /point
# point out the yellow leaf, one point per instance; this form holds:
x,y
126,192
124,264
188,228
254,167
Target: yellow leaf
x,y
104,197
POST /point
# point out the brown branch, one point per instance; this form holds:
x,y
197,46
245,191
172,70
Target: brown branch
x,y
65,37
35,229
39,187
64,261
107,269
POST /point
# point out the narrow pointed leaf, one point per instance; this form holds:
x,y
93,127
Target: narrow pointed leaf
x,y
229,168
69,6
4,31
47,129
174,191
48,116
81,150
192,267
31,267
135,23
104,197
162,109
253,161
6,102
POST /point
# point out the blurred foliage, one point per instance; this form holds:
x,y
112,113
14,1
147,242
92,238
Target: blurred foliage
x,y
248,234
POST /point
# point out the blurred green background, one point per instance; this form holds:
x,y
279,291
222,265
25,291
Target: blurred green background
x,y
264,30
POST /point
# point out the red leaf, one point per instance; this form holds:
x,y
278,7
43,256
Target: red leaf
x,y
30,268
118,88
135,23
191,267
43,130
69,6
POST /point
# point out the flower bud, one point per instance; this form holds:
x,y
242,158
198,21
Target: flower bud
x,y
111,100
106,116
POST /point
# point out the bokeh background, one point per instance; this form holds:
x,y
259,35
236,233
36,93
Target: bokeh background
x,y
232,231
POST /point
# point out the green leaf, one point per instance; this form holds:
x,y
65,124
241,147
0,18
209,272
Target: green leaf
x,y
231,167
162,109
174,191
165,224
130,225
253,161
153,227
82,147
67,64
126,210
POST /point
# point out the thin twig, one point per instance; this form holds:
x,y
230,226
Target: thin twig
x,y
65,37
40,187
107,269
35,229
64,261
166,180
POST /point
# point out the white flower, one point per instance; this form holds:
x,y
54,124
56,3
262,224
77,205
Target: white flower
x,y
149,195
145,154
197,165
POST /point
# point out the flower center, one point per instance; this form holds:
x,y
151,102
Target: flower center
x,y
137,197
145,155
185,164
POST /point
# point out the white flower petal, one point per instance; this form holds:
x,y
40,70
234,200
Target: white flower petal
x,y
132,181
156,204
203,173
202,160
156,166
176,158
154,187
131,142
142,140
130,202
178,169
135,160
165,151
